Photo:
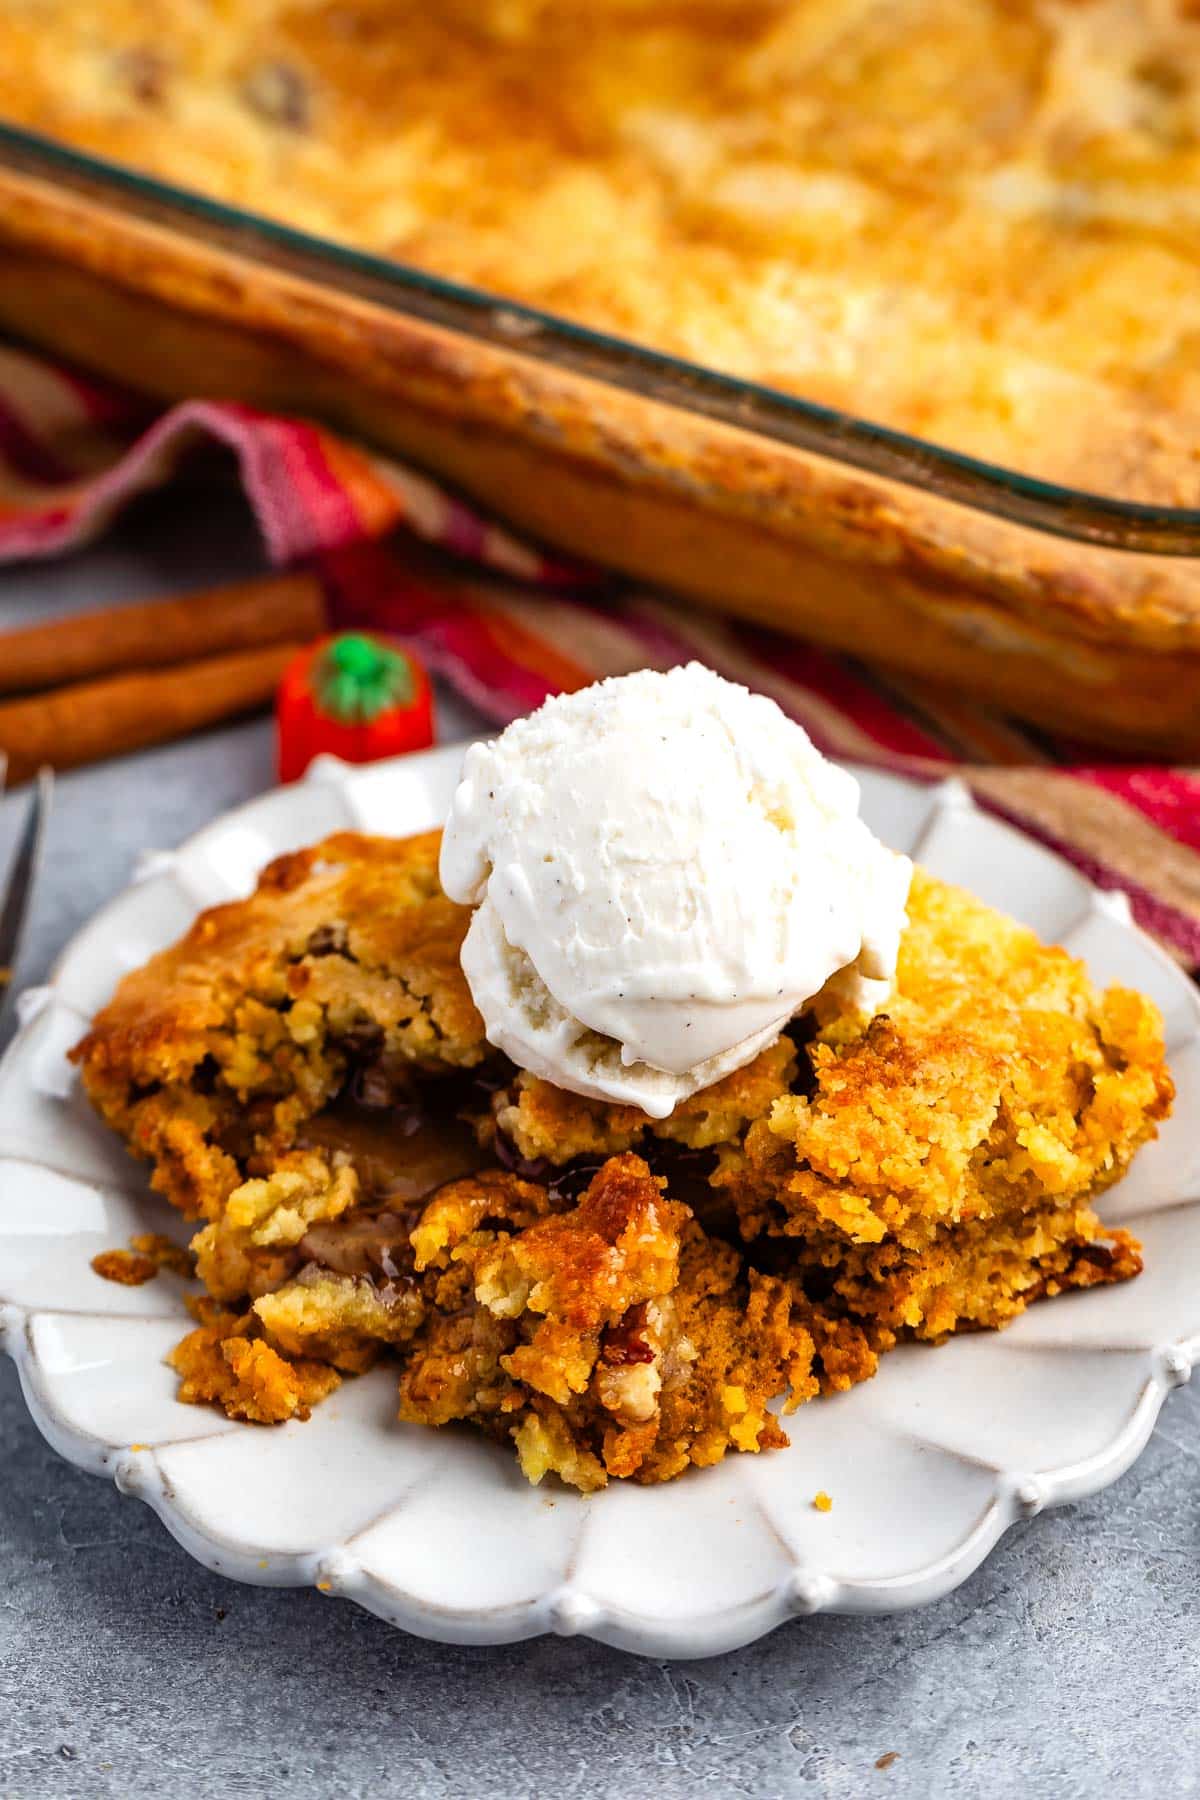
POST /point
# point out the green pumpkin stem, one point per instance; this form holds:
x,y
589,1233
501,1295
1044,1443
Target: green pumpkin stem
x,y
355,678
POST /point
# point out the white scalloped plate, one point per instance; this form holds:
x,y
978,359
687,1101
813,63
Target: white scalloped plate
x,y
927,1464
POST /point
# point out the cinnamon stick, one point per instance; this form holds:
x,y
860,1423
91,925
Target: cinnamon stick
x,y
91,720
266,609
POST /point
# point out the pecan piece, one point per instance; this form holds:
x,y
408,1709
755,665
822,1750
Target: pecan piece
x,y
624,1343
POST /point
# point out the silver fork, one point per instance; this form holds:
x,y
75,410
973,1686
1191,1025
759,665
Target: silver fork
x,y
22,873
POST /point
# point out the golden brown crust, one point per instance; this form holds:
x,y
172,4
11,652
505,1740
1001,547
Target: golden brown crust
x,y
999,1079
614,1339
225,1363
753,185
1074,637
940,1172
930,1173
218,1049
376,905
541,1120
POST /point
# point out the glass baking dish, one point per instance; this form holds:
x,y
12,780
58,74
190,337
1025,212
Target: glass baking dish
x,y
1078,611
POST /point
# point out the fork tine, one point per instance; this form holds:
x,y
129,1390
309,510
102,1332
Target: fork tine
x,y
22,874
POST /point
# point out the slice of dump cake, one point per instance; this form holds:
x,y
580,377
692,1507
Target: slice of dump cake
x,y
618,1295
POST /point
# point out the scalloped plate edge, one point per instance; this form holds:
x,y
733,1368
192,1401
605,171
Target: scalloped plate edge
x,y
569,1611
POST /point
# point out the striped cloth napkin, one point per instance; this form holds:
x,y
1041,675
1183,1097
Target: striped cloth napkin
x,y
74,450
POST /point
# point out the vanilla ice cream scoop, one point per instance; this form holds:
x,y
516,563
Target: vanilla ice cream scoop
x,y
664,871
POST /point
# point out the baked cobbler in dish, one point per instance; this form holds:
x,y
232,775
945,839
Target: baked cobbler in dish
x,y
611,1293
973,221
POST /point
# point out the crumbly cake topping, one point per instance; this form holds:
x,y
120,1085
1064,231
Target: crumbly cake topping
x,y
614,1295
211,1057
754,184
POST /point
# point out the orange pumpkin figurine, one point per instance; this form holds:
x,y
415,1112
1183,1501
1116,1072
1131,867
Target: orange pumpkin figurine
x,y
353,696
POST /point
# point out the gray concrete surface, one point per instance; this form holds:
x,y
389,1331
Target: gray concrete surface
x,y
1068,1666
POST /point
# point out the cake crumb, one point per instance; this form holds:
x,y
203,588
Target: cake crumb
x,y
124,1266
822,1502
148,1253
